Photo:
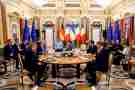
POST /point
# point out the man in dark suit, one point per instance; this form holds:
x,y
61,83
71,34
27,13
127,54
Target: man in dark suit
x,y
28,56
7,52
39,48
91,77
15,51
92,48
32,63
102,58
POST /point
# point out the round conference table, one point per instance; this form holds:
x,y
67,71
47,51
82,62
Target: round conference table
x,y
66,60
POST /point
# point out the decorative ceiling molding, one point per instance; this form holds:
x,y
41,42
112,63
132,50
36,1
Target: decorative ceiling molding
x,y
72,5
97,12
71,0
95,6
49,5
115,4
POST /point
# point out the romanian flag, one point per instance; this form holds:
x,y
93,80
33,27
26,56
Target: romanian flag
x,y
21,24
122,29
131,29
61,32
122,25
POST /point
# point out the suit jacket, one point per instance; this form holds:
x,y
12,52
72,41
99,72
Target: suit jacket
x,y
92,49
15,51
39,50
102,60
28,57
7,51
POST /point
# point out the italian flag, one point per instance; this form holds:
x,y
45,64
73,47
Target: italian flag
x,y
72,35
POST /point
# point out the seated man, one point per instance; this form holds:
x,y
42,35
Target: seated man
x,y
91,68
35,68
22,48
7,52
92,48
59,46
101,58
69,46
15,51
39,48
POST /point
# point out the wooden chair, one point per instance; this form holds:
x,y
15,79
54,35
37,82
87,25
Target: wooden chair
x,y
82,87
21,72
131,68
48,86
108,74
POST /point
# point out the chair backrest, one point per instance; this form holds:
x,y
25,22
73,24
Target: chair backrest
x,y
82,87
20,62
1,51
110,62
61,86
46,87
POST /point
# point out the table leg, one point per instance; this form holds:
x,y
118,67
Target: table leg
x,y
78,70
53,70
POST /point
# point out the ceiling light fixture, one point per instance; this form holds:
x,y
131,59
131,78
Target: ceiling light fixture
x,y
104,3
39,3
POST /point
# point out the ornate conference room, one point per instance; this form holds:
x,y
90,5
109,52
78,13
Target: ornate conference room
x,y
67,44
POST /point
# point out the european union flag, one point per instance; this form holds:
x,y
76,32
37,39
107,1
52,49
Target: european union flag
x,y
26,33
33,32
117,34
109,33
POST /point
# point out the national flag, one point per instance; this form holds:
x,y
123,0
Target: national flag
x,y
26,33
126,28
72,32
78,34
72,35
117,33
131,29
67,34
33,32
61,32
21,25
110,33
83,35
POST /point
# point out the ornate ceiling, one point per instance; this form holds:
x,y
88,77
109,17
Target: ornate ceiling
x,y
71,3
69,7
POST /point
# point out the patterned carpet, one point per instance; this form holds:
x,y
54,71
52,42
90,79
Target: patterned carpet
x,y
118,73
119,80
